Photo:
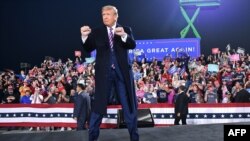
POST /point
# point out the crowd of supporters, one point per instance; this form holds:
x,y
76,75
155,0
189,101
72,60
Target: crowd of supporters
x,y
55,81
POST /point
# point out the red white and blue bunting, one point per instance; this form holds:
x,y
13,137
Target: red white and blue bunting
x,y
60,115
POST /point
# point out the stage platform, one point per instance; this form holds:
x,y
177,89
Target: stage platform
x,y
208,132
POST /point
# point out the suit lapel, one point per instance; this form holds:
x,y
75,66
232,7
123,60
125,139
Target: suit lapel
x,y
105,37
116,37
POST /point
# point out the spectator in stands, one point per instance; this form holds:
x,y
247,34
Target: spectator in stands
x,y
209,84
225,89
199,65
53,96
176,82
150,96
242,95
72,96
140,91
238,76
210,95
1,91
227,76
68,85
247,86
235,89
218,90
34,84
26,98
162,95
170,93
90,86
247,79
64,98
37,97
24,88
11,96
228,98
22,75
223,58
195,94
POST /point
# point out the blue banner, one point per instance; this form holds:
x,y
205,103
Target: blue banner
x,y
159,48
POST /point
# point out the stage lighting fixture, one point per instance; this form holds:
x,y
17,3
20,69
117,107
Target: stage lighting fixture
x,y
197,4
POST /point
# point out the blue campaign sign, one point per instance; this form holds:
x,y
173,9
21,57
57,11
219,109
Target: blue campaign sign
x,y
159,48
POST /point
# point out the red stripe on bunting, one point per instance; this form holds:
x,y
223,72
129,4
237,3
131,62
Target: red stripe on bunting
x,y
159,105
193,105
54,124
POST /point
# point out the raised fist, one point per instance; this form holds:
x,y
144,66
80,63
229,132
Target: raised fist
x,y
120,31
85,30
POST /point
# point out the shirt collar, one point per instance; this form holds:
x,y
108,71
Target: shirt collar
x,y
113,27
80,92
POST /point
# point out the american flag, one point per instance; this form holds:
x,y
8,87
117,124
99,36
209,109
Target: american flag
x,y
182,70
172,70
60,115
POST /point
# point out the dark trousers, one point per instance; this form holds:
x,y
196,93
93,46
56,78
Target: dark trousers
x,y
182,117
81,124
130,117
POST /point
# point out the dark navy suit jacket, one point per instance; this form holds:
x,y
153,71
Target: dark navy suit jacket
x,y
98,40
181,104
82,106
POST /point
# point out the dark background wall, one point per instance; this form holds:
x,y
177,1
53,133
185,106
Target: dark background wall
x,y
32,29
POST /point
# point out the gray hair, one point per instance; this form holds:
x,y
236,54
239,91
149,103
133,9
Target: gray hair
x,y
110,7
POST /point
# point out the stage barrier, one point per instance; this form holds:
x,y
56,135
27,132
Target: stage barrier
x,y
60,115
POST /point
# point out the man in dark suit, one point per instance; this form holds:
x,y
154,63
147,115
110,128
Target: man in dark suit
x,y
81,107
112,70
242,96
181,106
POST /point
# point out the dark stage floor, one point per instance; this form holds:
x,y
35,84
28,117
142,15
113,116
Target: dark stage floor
x,y
212,132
